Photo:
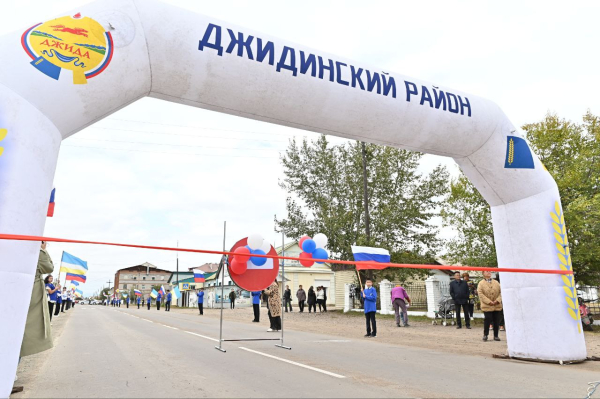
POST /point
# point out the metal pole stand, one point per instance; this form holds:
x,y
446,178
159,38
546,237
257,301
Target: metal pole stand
x,y
281,345
223,266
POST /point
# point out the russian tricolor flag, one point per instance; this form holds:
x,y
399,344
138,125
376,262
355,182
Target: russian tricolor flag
x,y
137,292
51,204
162,291
379,255
76,277
198,276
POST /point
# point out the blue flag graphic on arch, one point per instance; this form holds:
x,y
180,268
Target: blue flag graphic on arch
x,y
518,154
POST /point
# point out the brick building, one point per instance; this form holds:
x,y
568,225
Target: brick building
x,y
141,277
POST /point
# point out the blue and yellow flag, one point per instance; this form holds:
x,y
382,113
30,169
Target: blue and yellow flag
x,y
518,154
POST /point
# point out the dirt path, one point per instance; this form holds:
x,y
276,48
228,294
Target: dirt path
x,y
421,333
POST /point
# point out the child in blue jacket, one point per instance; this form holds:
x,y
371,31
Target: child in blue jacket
x,y
370,298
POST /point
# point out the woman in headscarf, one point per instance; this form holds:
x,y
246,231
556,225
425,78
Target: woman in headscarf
x,y
38,334
312,299
274,306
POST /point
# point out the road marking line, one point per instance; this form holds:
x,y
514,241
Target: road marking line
x,y
174,328
294,363
202,336
149,321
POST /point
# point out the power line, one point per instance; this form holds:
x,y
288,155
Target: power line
x,y
197,136
165,152
183,145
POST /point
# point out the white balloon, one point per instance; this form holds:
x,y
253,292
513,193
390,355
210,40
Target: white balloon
x,y
321,240
266,246
255,241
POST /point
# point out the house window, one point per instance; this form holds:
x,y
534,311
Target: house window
x,y
135,278
125,286
143,287
143,278
152,278
162,277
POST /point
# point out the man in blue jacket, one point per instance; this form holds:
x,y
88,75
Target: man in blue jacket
x,y
256,305
168,301
127,301
149,301
158,298
201,301
370,298
139,301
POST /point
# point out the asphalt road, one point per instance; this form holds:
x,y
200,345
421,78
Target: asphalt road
x,y
118,352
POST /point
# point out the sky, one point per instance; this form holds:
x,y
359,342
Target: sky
x,y
157,173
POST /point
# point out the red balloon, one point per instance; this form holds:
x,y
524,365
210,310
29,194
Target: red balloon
x,y
238,267
242,254
302,240
306,259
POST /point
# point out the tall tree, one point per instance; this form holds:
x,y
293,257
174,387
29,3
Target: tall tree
x,y
469,214
571,153
325,187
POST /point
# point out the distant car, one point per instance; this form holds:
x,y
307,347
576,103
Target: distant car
x,y
588,294
94,302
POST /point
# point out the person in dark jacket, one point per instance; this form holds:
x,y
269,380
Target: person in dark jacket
x,y
459,291
301,295
312,299
232,299
256,305
149,301
200,297
287,298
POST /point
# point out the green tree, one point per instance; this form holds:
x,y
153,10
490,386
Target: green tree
x,y
324,183
469,214
571,153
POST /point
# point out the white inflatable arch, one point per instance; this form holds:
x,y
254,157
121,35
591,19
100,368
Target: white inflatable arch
x,y
61,75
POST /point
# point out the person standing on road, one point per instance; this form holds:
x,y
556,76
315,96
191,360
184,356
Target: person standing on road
x,y
38,334
370,298
324,298
312,299
399,299
232,299
320,298
287,297
256,305
472,293
63,299
52,294
274,306
301,296
128,302
158,299
168,301
149,301
490,296
58,303
139,300
201,301
459,291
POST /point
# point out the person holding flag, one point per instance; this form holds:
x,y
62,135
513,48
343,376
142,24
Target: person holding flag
x,y
158,299
139,300
149,301
168,301
64,297
201,301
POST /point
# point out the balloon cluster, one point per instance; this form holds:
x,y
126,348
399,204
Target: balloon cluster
x,y
313,249
257,245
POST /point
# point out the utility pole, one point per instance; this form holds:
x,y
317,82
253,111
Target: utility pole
x,y
366,199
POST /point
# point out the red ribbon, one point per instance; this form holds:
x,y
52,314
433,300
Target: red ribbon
x,y
363,265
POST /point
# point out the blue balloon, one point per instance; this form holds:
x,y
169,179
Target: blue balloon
x,y
258,261
320,253
309,246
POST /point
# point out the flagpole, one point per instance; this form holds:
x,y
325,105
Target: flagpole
x,y
61,257
177,272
